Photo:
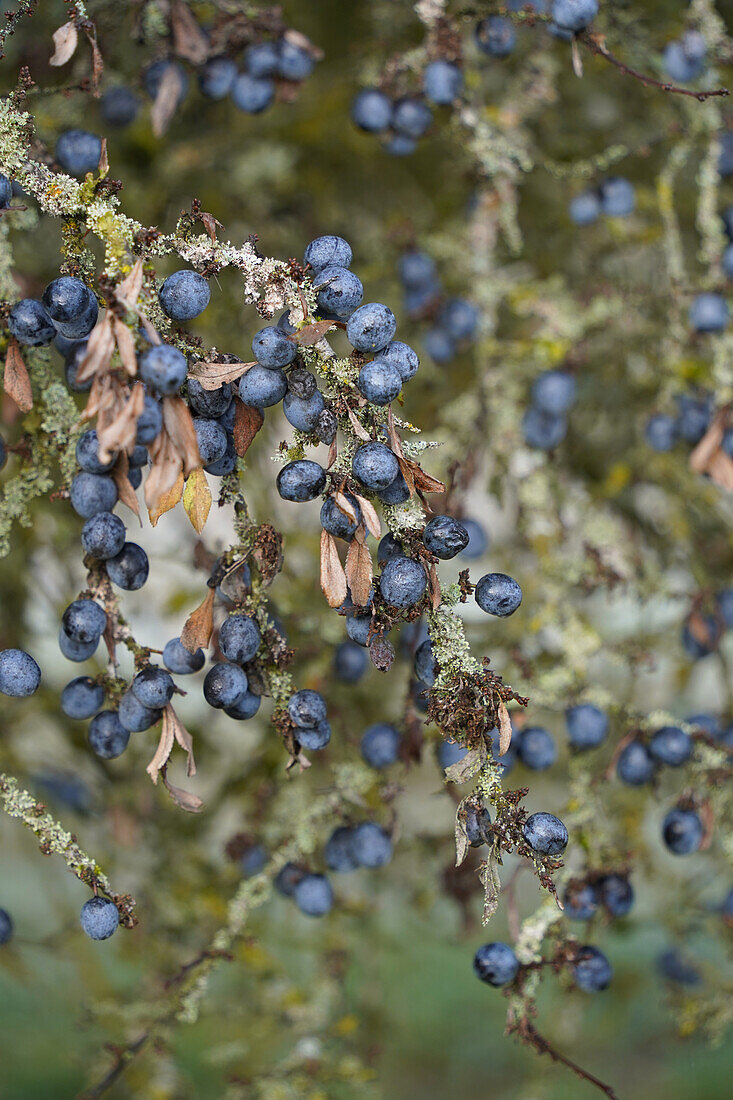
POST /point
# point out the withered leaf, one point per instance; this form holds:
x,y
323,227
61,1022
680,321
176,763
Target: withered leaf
x,y
128,292
125,491
189,40
247,423
720,469
178,423
197,499
65,40
460,832
116,430
359,430
424,482
333,577
182,736
394,440
311,334
344,505
505,729
489,876
165,746
103,162
16,382
359,568
434,586
466,768
164,484
333,451
212,376
199,625
97,60
150,330
709,444
369,514
185,799
211,224
100,346
166,99
126,346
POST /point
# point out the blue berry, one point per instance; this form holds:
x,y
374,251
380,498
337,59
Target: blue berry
x,y
108,738
78,152
661,432
6,192
411,117
340,291
496,964
315,739
287,879
727,261
30,323
725,160
725,606
119,106
76,651
450,753
261,58
92,493
709,313
239,638
150,420
71,306
388,548
358,628
706,722
262,387
350,662
554,391
6,927
375,466
617,197
617,894
592,971
129,569
542,430
459,319
587,726
537,749
403,582
245,707
443,82
273,348
180,660
676,969
635,766
581,902
682,831
20,675
72,365
397,492
87,454
684,59
380,745
82,698
313,895
84,621
445,537
574,15
498,594
417,269
164,368
211,440
545,834
294,62
303,413
379,382
224,685
496,36
372,845
253,861
336,522
99,918
301,480
153,687
478,540
134,716
426,668
402,357
694,417
307,708
478,826
252,94
439,345
103,536
328,251
135,477
154,74
670,745
372,111
184,295
208,403
216,77
371,327
338,851
585,208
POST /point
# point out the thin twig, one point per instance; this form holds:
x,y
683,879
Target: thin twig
x,y
529,1034
596,44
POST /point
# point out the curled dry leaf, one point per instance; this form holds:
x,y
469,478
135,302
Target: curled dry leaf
x,y
100,346
178,423
247,423
344,505
16,381
212,376
466,768
65,40
97,60
128,292
369,514
185,799
199,625
489,876
166,100
125,491
434,586
424,482
125,346
165,746
359,568
117,422
197,499
359,430
720,469
311,334
460,832
211,224
333,577
505,729
164,483
173,729
333,451
103,163
189,41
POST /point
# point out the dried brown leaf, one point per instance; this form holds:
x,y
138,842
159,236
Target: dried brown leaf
x,y
100,346
708,445
117,433
199,625
359,568
720,469
165,746
424,482
182,736
16,381
211,224
434,587
103,162
125,491
166,100
247,423
164,483
150,330
359,430
369,513
467,767
309,335
505,729
178,423
344,505
185,799
189,40
333,577
197,499
212,376
65,40
126,346
460,832
128,292
333,451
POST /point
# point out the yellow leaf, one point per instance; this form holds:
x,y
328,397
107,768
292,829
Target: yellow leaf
x,y
197,499
167,500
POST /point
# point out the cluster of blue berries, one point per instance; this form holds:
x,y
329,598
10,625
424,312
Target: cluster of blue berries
x,y
497,35
684,59
613,197
498,965
67,309
454,321
613,893
544,424
694,414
